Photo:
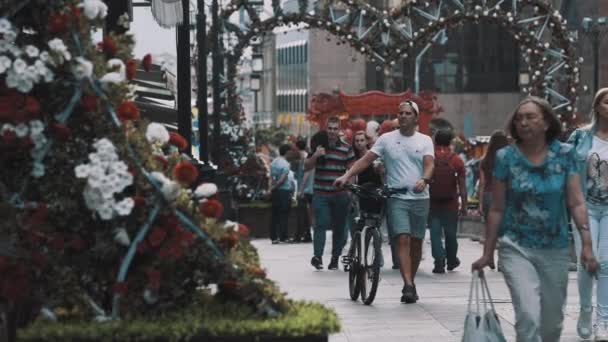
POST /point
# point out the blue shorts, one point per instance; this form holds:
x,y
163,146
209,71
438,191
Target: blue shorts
x,y
407,217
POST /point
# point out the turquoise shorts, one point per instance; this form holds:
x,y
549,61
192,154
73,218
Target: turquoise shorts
x,y
407,217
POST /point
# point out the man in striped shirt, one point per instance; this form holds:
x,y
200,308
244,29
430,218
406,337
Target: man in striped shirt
x,y
330,204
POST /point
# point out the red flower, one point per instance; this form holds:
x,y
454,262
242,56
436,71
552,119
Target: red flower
x,y
89,103
121,287
183,237
75,12
243,230
178,141
3,263
8,105
153,278
164,253
175,251
162,160
8,137
169,220
157,236
61,131
131,68
58,23
32,105
230,240
127,110
147,62
78,243
108,45
58,243
139,201
185,173
142,247
212,208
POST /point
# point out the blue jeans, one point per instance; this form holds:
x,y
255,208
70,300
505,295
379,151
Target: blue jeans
x,y
331,211
598,228
444,223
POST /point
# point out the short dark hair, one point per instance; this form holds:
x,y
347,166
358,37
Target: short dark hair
x,y
444,137
553,131
333,119
301,144
284,149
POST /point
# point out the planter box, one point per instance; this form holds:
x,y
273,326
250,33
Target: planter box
x,y
257,217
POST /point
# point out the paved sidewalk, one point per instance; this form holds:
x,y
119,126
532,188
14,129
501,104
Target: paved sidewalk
x,y
438,315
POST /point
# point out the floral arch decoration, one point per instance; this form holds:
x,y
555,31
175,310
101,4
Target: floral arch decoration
x,y
388,36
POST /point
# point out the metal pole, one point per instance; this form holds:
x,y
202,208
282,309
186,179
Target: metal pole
x,y
184,90
255,102
217,70
595,40
201,96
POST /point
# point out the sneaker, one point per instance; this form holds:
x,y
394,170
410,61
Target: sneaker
x,y
409,294
583,326
439,266
275,242
601,331
333,264
452,266
317,262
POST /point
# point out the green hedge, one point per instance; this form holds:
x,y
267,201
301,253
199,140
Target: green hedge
x,y
210,319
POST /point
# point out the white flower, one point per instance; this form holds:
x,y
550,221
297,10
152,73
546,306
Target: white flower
x,y
115,76
124,20
59,47
19,65
105,212
169,188
121,237
32,51
39,140
44,57
82,171
21,130
9,36
103,143
31,73
157,133
205,190
124,207
94,8
82,69
5,63
4,46
38,170
36,127
5,25
7,128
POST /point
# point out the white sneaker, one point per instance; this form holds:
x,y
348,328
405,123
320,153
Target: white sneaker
x,y
583,326
601,331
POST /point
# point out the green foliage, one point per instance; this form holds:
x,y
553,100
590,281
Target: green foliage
x,y
207,317
273,136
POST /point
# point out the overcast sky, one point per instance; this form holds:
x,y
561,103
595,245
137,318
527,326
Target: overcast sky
x,y
149,36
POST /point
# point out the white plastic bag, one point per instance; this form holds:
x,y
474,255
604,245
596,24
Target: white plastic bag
x,y
481,324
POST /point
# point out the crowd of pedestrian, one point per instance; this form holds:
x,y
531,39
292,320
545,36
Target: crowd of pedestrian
x,y
535,191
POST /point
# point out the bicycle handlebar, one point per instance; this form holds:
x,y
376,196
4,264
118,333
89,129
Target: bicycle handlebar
x,y
376,193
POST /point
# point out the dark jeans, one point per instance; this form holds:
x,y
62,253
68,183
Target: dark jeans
x,y
281,202
303,226
330,211
444,222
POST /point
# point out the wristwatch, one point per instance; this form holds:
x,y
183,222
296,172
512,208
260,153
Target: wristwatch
x,y
426,180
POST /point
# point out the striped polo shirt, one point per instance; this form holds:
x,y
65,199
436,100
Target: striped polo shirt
x,y
337,159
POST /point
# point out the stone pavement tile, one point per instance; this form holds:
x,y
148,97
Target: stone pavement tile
x,y
438,316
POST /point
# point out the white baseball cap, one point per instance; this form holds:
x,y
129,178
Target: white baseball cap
x,y
411,104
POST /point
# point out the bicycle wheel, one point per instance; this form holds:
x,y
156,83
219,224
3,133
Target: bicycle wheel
x,y
354,254
370,273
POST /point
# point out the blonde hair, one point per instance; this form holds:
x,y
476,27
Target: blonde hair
x,y
596,101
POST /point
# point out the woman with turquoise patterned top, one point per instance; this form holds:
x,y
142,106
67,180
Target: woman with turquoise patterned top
x,y
535,182
591,146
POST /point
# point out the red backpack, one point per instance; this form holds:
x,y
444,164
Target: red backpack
x,y
444,183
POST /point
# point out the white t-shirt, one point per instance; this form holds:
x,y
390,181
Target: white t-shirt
x,y
402,158
597,172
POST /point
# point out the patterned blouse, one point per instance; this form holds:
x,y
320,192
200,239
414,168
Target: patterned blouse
x,y
535,204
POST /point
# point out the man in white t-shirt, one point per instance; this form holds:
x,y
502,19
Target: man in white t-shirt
x,y
408,160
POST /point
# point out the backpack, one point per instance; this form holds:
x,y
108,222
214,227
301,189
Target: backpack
x,y
444,183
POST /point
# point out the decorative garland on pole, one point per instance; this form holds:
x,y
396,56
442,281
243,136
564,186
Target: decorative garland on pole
x,y
389,36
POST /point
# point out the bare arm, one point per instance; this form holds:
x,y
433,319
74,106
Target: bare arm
x,y
578,210
304,180
357,168
278,183
492,224
462,188
311,162
428,164
480,190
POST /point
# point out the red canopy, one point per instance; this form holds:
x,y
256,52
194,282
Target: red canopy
x,y
372,103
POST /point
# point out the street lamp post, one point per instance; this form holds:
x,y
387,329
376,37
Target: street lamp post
x,y
595,30
201,96
257,66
